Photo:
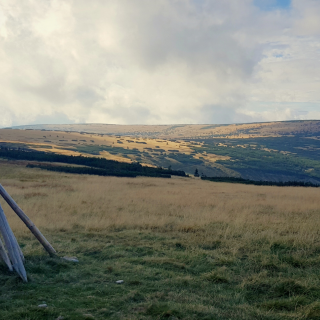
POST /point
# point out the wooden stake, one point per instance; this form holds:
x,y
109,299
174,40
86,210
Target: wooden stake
x,y
20,252
12,246
4,256
36,232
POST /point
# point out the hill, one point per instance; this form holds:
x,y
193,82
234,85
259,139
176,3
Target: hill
x,y
273,151
190,131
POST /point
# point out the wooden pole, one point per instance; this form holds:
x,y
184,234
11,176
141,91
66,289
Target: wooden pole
x,y
4,256
36,232
12,246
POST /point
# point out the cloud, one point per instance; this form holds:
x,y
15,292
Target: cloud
x,y
194,61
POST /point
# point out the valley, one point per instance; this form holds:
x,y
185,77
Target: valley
x,y
275,151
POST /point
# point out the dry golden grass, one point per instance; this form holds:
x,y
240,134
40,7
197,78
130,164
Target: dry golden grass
x,y
56,139
66,142
186,248
210,157
247,130
61,202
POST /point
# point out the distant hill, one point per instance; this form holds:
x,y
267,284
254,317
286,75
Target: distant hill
x,y
183,131
274,151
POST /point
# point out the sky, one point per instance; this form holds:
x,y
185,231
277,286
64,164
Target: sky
x,y
159,61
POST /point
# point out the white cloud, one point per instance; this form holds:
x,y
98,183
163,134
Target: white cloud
x,y
163,61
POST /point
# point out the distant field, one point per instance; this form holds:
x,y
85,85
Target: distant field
x,y
275,151
185,248
179,154
247,130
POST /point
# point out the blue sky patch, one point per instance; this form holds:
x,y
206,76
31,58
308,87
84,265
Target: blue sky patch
x,y
269,5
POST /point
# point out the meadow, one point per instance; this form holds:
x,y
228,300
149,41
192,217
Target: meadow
x,y
185,248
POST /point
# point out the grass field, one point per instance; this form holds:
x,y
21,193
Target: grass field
x,y
185,248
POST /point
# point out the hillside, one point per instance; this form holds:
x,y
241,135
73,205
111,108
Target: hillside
x,y
189,131
275,151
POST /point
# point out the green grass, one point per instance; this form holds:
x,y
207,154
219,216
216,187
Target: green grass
x,y
259,161
166,276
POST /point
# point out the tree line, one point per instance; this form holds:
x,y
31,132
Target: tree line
x,y
94,165
262,183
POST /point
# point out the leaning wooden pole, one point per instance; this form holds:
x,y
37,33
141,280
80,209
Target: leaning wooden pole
x,y
4,256
45,243
12,246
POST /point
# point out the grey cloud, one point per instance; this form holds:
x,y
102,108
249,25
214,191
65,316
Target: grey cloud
x,y
87,96
55,118
181,34
51,90
218,115
136,114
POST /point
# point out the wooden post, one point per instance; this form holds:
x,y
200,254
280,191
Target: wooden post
x,y
47,246
20,252
4,256
12,246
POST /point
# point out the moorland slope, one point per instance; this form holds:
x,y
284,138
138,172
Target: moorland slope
x,y
273,151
